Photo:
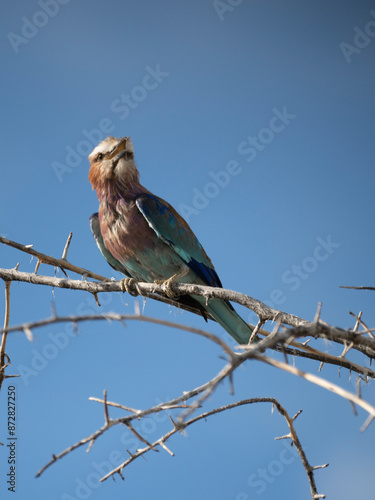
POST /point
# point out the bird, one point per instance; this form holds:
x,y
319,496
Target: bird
x,y
145,238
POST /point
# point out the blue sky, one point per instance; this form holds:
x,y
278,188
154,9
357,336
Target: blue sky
x,y
256,121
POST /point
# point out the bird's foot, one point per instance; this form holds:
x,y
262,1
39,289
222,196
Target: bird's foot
x,y
129,285
170,282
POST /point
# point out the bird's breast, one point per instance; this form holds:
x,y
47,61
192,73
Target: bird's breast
x,y
125,231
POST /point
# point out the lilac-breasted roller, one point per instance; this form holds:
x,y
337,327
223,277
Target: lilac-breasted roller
x,y
142,236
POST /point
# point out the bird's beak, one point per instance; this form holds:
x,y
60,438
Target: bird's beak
x,y
119,150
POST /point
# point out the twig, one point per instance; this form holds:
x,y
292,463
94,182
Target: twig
x,y
302,328
132,410
47,259
204,391
4,364
121,318
359,321
93,287
147,289
301,350
280,339
176,428
353,398
90,439
115,405
359,287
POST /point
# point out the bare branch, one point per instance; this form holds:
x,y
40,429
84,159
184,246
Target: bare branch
x,y
359,287
281,339
302,350
177,427
353,398
150,289
52,261
3,363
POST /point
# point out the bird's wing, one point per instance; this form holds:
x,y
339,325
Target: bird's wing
x,y
171,228
114,263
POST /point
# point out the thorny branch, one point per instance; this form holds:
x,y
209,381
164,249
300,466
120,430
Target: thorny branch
x,y
182,420
361,343
301,349
182,426
4,363
281,339
64,265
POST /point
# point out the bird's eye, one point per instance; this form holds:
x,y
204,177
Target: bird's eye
x,y
99,157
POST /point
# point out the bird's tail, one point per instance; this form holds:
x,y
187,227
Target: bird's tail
x,y
227,317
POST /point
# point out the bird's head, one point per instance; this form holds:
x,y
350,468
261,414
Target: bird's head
x,y
112,165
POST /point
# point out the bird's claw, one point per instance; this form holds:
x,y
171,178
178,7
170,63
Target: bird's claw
x,y
129,285
169,284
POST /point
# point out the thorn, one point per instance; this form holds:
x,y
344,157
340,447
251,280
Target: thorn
x,y
106,416
368,421
91,443
256,330
37,266
53,309
365,327
173,422
321,365
66,248
96,298
346,349
142,439
177,427
354,408
358,384
316,467
317,314
357,323
287,436
231,385
297,415
163,445
137,308
29,334
63,270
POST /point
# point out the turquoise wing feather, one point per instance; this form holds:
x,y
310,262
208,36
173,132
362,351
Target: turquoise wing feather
x,y
171,228
175,232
